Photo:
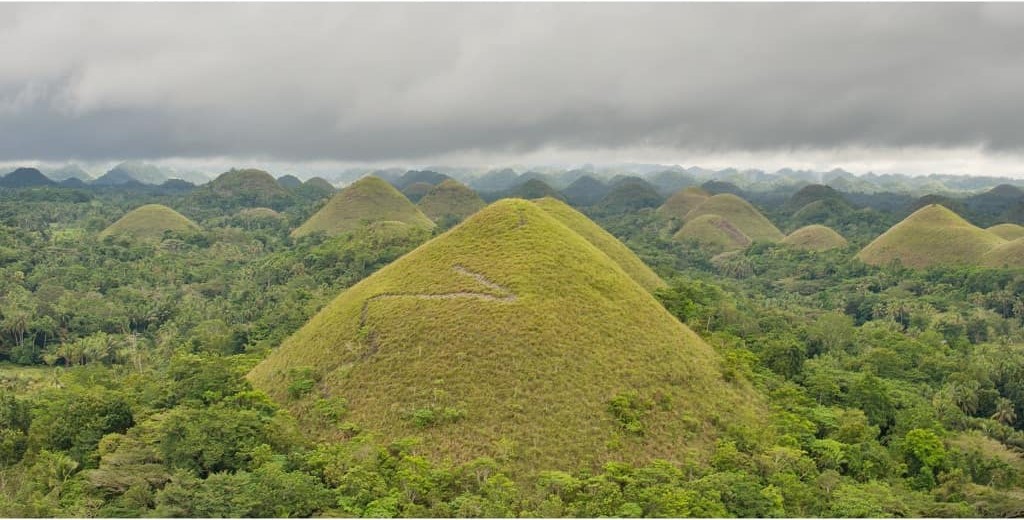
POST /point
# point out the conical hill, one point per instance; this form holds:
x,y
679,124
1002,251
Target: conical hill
x,y
814,238
1010,254
739,213
450,199
932,235
148,222
370,199
602,240
510,332
1007,231
682,202
714,232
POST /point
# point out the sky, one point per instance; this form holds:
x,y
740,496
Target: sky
x,y
910,88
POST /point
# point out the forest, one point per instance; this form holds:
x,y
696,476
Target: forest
x,y
888,390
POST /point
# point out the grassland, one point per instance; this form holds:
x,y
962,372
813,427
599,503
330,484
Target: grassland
x,y
932,235
516,334
682,202
367,200
740,214
148,222
450,199
815,238
713,232
1009,254
1007,231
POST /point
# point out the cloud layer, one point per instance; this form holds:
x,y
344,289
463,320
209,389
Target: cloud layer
x,y
406,82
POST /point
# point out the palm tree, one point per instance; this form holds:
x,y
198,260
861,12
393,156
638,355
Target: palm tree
x,y
1006,412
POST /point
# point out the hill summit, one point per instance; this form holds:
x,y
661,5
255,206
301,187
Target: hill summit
x,y
510,331
932,235
740,214
682,202
25,178
148,222
368,200
814,238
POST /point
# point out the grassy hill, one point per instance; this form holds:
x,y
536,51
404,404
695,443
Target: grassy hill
x,y
510,333
531,189
415,191
630,194
148,222
714,232
812,193
1007,231
602,240
289,182
585,191
367,200
740,214
1009,254
450,200
932,235
682,202
25,178
814,238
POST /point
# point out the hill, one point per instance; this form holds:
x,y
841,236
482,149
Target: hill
x,y
512,331
289,181
682,202
1009,254
1007,231
815,238
671,181
585,191
415,191
716,187
714,232
450,200
740,214
367,200
425,176
69,171
148,222
628,195
25,178
315,188
532,189
495,180
932,235
242,188
132,171
602,240
812,193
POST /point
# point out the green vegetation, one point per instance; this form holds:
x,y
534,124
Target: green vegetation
x,y
740,214
149,222
932,235
682,202
450,201
713,232
365,201
476,320
815,238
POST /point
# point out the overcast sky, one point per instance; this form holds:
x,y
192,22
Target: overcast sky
x,y
884,87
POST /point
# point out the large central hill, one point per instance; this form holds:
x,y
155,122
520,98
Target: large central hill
x,y
739,213
450,199
370,199
511,331
932,235
148,222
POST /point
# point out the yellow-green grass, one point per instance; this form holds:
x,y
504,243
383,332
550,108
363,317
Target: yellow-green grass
x,y
682,202
1009,254
370,199
148,222
739,213
260,213
451,198
713,232
602,240
538,333
932,235
815,238
247,182
1007,231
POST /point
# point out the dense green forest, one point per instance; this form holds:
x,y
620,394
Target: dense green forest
x,y
889,391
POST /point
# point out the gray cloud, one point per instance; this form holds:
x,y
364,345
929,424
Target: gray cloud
x,y
379,82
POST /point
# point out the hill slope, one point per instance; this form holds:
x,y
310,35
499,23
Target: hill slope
x,y
25,178
714,232
739,213
1007,231
450,199
932,235
585,191
511,330
1010,254
367,200
814,238
630,194
148,222
602,240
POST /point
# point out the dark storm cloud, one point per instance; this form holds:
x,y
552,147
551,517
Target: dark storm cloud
x,y
360,82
